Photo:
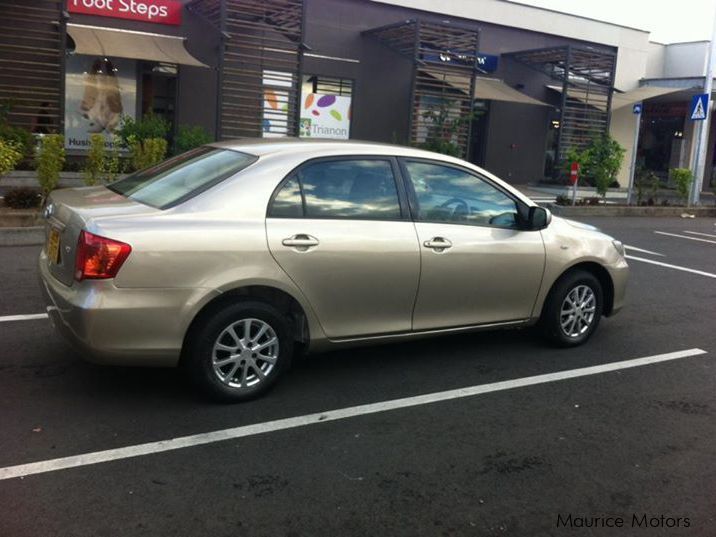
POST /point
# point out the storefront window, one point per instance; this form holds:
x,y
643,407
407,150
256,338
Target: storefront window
x,y
661,141
277,87
98,92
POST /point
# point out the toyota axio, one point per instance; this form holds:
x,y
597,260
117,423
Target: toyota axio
x,y
227,258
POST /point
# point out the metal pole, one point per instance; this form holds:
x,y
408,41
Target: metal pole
x,y
632,166
701,148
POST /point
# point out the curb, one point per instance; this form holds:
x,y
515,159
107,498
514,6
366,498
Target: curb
x,y
566,210
22,236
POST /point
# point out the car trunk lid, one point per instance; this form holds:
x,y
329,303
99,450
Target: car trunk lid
x,y
71,210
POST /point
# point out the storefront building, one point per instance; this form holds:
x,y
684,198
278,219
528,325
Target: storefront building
x,y
511,87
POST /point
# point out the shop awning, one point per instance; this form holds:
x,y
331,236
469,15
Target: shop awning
x,y
621,99
99,41
494,89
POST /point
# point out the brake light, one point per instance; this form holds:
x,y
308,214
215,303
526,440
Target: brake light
x,y
98,257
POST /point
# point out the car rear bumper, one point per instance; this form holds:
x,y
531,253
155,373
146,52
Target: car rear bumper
x,y
119,326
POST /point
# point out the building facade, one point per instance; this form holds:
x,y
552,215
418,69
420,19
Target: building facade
x,y
505,85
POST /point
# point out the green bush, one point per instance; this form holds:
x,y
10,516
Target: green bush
x,y
146,153
682,177
191,136
102,164
112,163
23,139
23,198
10,155
150,126
50,158
600,162
94,163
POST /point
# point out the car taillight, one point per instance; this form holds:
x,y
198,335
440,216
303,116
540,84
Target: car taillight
x,y
98,257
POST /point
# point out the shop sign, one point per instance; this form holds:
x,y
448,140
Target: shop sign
x,y
155,11
325,116
98,93
486,63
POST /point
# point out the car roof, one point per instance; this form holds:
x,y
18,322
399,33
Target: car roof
x,y
267,146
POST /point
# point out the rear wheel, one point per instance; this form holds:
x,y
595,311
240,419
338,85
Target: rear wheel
x,y
573,309
240,351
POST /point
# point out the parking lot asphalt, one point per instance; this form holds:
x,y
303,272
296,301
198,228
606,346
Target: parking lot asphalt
x,y
627,443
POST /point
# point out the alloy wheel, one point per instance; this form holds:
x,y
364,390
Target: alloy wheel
x,y
577,311
245,353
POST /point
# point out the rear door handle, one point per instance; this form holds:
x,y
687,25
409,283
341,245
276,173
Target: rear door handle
x,y
438,244
301,241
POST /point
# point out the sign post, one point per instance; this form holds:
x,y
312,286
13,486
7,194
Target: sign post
x,y
700,106
637,108
574,178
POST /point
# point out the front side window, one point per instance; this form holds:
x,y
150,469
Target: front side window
x,y
347,189
450,195
182,177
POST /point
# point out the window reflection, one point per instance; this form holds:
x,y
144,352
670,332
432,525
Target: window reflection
x,y
350,189
446,194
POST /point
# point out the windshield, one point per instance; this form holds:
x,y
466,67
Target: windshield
x,y
180,178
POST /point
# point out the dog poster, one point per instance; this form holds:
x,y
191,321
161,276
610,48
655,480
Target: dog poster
x,y
99,91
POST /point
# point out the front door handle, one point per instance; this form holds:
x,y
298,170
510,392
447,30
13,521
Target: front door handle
x,y
439,244
301,242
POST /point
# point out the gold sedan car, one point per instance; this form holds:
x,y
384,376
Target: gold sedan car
x,y
223,259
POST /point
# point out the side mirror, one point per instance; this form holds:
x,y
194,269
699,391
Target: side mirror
x,y
538,218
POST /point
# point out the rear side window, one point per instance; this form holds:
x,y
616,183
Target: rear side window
x,y
345,189
182,177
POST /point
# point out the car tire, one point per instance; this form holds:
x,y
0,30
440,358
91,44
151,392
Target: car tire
x,y
573,309
230,366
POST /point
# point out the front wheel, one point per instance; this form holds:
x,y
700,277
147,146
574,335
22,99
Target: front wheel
x,y
573,309
240,351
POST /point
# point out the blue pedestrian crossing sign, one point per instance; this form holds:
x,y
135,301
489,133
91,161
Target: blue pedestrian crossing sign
x,y
699,107
637,108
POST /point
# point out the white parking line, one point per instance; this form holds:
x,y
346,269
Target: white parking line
x,y
675,267
702,234
150,448
684,237
29,317
642,250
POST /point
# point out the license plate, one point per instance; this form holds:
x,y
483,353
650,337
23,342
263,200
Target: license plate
x,y
53,246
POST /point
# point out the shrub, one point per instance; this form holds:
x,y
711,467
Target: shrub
x,y
682,177
94,163
644,179
191,136
150,126
23,198
112,163
576,155
146,153
563,200
50,158
23,139
604,159
10,155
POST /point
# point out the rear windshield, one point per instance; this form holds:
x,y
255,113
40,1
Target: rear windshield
x,y
182,177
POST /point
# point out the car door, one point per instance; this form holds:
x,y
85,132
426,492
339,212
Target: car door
x,y
340,229
478,266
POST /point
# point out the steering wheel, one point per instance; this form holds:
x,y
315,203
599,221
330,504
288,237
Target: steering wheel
x,y
461,207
